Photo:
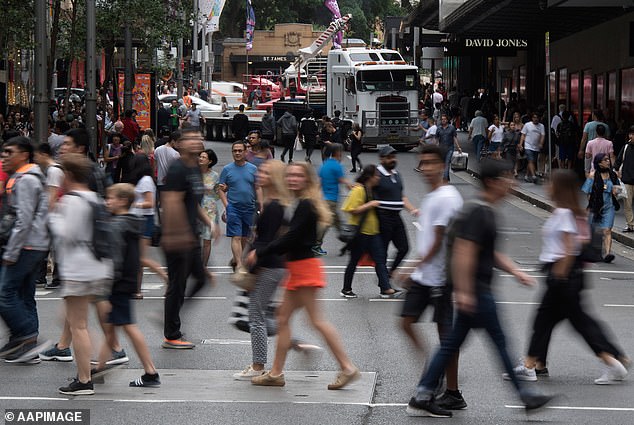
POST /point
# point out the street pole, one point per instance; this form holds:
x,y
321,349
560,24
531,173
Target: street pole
x,y
210,73
179,70
203,60
91,75
128,82
195,42
548,131
41,98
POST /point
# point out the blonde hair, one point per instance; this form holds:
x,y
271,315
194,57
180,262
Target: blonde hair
x,y
147,144
122,191
278,187
313,193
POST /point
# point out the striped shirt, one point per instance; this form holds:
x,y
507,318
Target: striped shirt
x,y
389,191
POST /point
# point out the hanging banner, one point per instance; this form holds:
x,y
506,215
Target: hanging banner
x,y
250,24
210,11
141,97
333,6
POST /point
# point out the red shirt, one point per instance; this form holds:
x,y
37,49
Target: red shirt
x,y
130,129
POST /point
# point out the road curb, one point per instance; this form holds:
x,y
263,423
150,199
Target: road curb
x,y
544,204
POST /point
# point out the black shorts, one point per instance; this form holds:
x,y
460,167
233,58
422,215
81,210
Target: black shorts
x,y
121,313
419,296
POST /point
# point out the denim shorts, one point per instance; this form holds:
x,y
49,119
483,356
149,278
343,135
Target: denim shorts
x,y
239,220
148,226
531,156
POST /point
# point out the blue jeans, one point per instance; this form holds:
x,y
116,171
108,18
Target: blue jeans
x,y
373,245
478,143
485,317
17,294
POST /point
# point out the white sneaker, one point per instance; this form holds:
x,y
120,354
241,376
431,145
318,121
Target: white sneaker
x,y
247,374
522,373
615,372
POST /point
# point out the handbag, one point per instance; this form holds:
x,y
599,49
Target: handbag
x,y
298,144
591,238
622,192
348,232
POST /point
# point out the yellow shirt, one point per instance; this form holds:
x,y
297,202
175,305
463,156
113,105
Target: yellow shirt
x,y
355,199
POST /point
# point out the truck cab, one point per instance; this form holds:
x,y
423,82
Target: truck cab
x,y
378,90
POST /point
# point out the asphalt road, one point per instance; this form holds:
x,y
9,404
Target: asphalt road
x,y
197,386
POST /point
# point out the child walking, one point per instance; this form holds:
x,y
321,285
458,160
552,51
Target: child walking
x,y
127,233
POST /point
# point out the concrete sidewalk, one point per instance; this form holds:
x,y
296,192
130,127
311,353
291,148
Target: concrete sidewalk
x,y
536,193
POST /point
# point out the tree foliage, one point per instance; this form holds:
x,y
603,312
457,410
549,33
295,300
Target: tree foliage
x,y
269,12
18,24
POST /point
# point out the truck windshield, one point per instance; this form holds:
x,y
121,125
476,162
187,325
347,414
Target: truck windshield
x,y
393,79
389,56
364,57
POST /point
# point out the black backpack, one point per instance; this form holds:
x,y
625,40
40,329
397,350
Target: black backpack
x,y
102,244
566,133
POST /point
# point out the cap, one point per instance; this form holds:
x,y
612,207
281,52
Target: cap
x,y
386,150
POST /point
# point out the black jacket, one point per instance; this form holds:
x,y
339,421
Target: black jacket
x,y
126,234
627,175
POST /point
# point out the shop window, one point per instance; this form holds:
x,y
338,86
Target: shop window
x,y
574,95
599,92
553,93
562,95
522,90
627,96
611,105
586,99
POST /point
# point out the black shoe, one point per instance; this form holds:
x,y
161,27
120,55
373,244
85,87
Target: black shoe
x,y
608,258
533,400
28,353
451,402
147,380
628,230
41,281
426,408
348,294
99,373
52,285
354,170
542,372
10,347
78,388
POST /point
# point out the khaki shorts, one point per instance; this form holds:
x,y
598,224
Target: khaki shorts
x,y
100,289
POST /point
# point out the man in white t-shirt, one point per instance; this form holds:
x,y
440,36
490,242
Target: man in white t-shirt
x,y
428,283
436,100
532,142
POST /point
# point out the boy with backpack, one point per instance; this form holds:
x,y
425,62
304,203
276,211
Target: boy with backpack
x,y
127,229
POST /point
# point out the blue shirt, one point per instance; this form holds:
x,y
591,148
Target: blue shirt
x,y
330,173
241,183
591,129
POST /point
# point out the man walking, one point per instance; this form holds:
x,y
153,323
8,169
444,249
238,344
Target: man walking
x,y
473,256
164,156
180,198
389,192
288,124
448,142
238,196
532,142
478,133
240,125
24,249
428,285
625,165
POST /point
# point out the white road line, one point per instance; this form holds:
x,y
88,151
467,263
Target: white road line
x,y
386,300
600,409
15,398
535,276
618,305
517,302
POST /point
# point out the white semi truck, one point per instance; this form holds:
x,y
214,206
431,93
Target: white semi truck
x,y
378,90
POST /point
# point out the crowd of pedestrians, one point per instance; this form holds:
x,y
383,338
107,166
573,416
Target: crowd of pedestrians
x,y
95,225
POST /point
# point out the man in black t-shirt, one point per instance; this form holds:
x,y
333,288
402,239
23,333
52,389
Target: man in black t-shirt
x,y
473,257
180,198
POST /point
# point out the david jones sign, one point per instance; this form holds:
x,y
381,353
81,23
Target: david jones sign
x,y
491,42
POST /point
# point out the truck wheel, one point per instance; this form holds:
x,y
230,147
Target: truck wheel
x,y
225,133
402,148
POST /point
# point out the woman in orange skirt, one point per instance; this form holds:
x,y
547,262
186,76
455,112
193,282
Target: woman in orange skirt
x,y
305,276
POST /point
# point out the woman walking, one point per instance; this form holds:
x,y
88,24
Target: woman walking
x,y
355,147
361,208
206,160
561,246
144,206
270,268
601,186
306,276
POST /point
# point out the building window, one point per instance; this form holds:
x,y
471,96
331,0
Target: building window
x,y
599,93
563,87
574,94
627,96
586,100
611,105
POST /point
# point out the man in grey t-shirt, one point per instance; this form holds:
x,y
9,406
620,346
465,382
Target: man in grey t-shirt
x,y
478,132
164,156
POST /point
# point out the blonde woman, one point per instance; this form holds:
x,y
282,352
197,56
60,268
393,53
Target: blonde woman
x,y
147,146
269,268
306,275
